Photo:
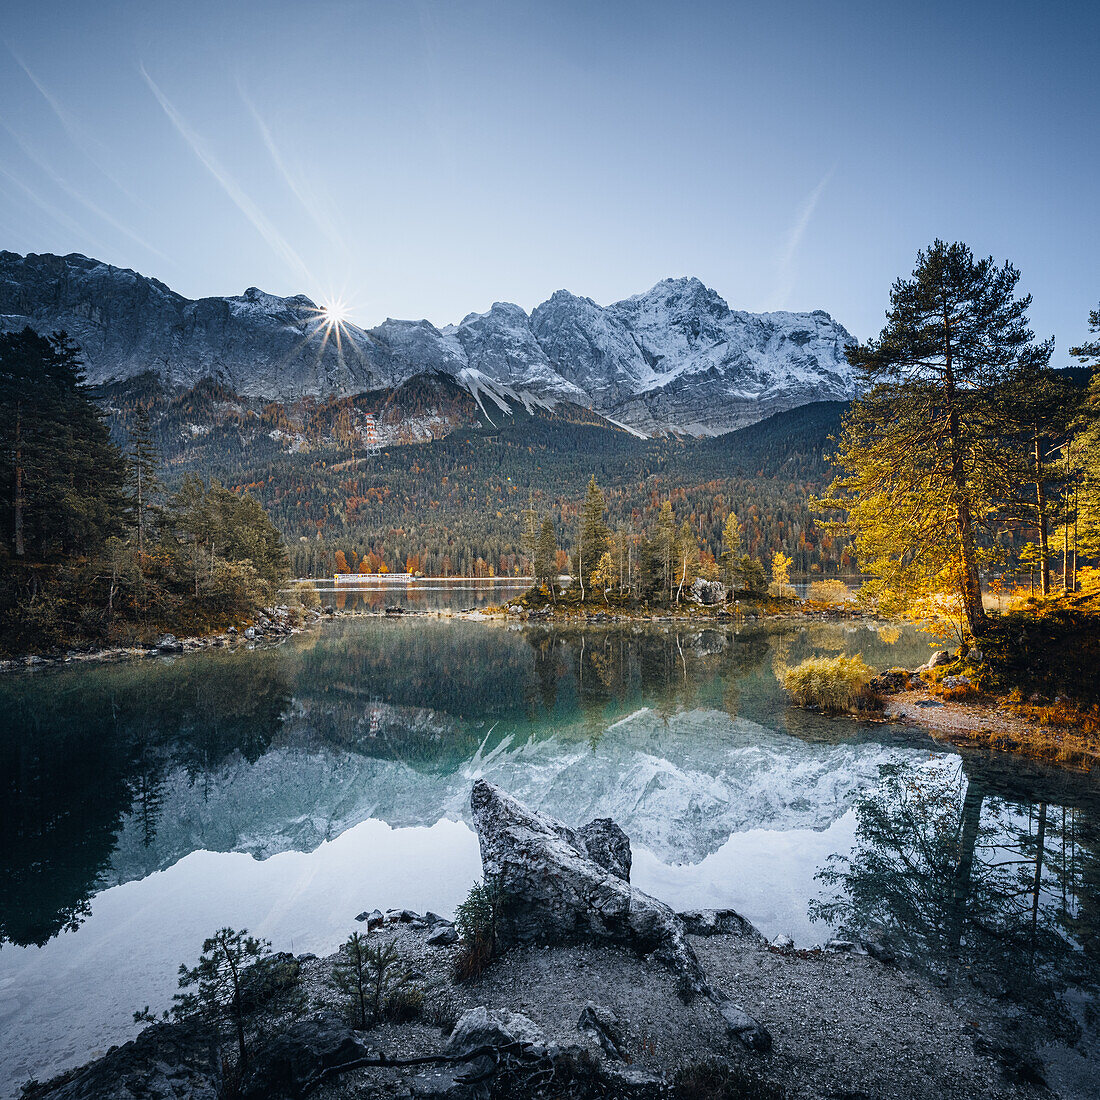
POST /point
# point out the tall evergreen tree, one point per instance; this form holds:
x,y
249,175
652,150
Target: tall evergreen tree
x,y
62,480
530,537
1042,407
592,536
1083,464
664,548
921,449
545,552
144,463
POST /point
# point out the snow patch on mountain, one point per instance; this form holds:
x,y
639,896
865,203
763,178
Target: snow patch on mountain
x,y
481,386
675,358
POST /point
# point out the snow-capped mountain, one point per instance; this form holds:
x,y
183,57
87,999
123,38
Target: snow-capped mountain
x,y
675,358
678,356
679,785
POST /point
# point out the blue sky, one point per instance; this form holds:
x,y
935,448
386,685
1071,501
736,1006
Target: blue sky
x,y
423,159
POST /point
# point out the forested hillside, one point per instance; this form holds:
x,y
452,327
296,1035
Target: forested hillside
x,y
452,504
96,550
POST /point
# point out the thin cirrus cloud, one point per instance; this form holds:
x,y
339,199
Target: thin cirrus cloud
x,y
59,182
786,262
92,149
52,211
275,240
294,179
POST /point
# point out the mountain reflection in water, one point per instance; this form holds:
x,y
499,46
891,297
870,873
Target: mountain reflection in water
x,y
974,863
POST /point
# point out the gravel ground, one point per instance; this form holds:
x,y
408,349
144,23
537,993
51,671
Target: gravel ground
x,y
847,1024
951,717
842,1025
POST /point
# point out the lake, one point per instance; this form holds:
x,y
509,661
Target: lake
x,y
287,788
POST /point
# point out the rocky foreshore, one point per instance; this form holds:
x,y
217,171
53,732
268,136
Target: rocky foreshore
x,y
594,989
273,625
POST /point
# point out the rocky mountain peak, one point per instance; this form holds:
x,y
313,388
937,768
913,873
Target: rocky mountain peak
x,y
674,358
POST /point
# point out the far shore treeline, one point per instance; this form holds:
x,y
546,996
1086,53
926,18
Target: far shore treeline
x,y
965,457
966,460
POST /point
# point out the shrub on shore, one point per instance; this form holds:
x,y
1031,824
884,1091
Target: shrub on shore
x,y
374,983
836,685
238,989
830,591
476,921
306,591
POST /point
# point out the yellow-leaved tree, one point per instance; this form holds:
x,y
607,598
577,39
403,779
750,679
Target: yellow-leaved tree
x,y
922,451
603,576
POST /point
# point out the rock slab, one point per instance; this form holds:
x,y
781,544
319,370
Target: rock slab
x,y
607,1029
608,846
479,1027
718,922
293,1061
165,1062
747,1031
555,892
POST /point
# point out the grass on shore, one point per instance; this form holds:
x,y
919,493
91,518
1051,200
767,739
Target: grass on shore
x,y
835,685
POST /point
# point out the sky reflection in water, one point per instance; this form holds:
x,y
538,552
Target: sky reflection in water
x,y
287,789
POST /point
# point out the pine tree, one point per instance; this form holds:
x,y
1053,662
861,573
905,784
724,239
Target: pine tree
x,y
144,463
545,553
731,550
754,580
350,977
663,548
1081,519
1042,406
62,480
592,536
236,981
530,536
922,449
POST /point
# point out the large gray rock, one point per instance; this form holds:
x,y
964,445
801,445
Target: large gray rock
x,y
892,681
554,892
718,922
165,1062
607,1029
943,657
442,935
707,592
744,1028
608,846
479,1027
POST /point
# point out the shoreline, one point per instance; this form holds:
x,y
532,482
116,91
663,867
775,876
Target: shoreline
x,y
605,991
834,1014
987,723
982,721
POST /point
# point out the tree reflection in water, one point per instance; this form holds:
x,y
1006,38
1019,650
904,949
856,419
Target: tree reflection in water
x,y
75,760
978,887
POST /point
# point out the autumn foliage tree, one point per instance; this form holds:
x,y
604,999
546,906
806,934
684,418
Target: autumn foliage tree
x,y
922,450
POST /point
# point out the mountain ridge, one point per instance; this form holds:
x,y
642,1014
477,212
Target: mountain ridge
x,y
675,358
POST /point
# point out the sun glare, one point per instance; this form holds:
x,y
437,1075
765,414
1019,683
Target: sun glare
x,y
336,313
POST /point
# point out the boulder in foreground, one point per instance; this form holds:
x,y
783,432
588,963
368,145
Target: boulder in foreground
x,y
555,892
